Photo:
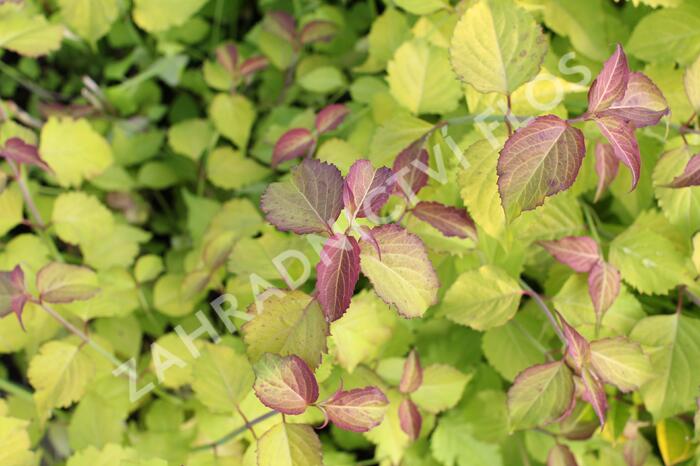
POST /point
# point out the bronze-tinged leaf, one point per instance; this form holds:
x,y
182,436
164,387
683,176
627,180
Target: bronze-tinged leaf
x,y
281,24
538,160
291,145
449,220
20,152
337,273
603,286
285,384
578,252
643,103
410,418
366,189
410,170
620,135
611,82
412,376
594,393
578,349
690,175
357,410
13,295
227,56
253,64
63,283
318,30
330,117
309,202
606,167
560,455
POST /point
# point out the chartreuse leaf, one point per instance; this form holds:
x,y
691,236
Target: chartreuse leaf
x,y
421,7
672,344
291,324
497,46
169,297
233,116
403,275
27,33
289,445
621,363
230,169
160,15
539,160
680,206
668,35
190,137
111,455
15,444
91,19
691,81
63,283
221,378
11,204
80,218
356,410
421,80
674,437
441,389
394,136
388,32
285,384
540,394
454,442
74,150
482,298
59,374
172,361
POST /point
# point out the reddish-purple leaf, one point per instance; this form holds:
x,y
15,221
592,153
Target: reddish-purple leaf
x,y
293,144
577,348
412,376
309,202
611,83
330,117
606,166
253,64
538,160
410,419
578,252
603,286
357,410
283,24
227,56
366,189
285,384
410,169
690,175
318,30
450,221
620,134
594,393
560,455
13,295
337,273
643,103
22,153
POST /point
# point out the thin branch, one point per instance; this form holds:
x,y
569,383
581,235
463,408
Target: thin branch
x,y
236,432
540,302
28,200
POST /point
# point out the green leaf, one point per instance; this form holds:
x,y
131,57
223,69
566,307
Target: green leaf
x,y
11,204
497,46
671,34
691,81
230,169
289,445
388,32
394,136
671,342
160,15
91,19
674,441
222,378
680,206
403,275
540,394
111,455
60,373
292,324
74,150
482,298
621,363
422,7
233,116
420,78
27,33
147,268
80,218
441,389
322,79
190,137
15,444
454,443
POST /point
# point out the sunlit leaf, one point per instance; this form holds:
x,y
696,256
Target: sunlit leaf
x,y
285,384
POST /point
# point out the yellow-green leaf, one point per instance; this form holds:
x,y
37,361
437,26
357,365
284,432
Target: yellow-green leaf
x,y
233,116
80,218
222,378
290,445
91,19
160,15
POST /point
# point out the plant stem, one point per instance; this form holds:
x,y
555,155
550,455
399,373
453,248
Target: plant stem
x,y
14,389
28,200
507,116
236,432
540,302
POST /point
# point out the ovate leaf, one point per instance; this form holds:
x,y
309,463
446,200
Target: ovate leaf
x,y
293,324
190,137
403,275
561,455
26,33
643,103
308,202
293,144
482,298
621,362
289,445
222,378
366,189
233,116
620,135
540,395
450,221
578,252
690,175
80,218
285,384
603,286
410,418
160,15
674,437
412,376
611,82
691,81
441,389
497,46
337,273
539,160
357,410
330,117
63,283
91,19
606,167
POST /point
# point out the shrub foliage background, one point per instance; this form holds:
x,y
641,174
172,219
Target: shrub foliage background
x,y
441,233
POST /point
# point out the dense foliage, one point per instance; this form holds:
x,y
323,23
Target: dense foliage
x,y
304,232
